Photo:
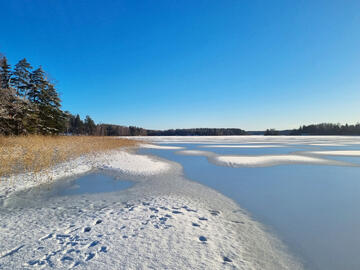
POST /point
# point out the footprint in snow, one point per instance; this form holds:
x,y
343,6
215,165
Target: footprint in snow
x,y
98,222
214,212
202,238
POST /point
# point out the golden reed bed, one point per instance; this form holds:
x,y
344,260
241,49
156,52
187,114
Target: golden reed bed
x,y
34,153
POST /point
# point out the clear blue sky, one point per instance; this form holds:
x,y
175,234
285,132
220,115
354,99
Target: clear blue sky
x,y
179,64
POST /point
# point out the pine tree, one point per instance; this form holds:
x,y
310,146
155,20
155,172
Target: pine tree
x,y
78,125
14,113
37,85
52,117
90,126
21,77
5,73
42,93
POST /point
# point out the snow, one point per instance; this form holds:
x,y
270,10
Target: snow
x,y
337,153
264,160
162,147
196,153
164,232
294,140
163,222
242,146
272,160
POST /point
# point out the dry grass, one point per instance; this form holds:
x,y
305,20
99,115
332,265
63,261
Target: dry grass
x,y
36,153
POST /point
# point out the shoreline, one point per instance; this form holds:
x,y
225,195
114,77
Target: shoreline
x,y
199,227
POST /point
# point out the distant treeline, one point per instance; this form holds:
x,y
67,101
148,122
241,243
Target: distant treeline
x,y
327,129
197,132
76,126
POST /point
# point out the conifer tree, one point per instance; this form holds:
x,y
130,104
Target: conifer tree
x,y
42,93
90,126
37,85
5,73
78,125
21,77
51,115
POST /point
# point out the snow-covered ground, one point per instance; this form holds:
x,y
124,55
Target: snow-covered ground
x,y
163,222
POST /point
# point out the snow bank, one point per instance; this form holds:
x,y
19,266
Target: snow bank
x,y
119,160
272,160
242,146
353,153
154,146
264,160
196,153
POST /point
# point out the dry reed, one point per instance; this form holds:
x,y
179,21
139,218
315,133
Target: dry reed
x,y
20,154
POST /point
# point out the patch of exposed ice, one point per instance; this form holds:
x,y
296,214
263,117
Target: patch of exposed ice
x,y
119,160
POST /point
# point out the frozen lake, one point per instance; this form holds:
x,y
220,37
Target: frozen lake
x,y
167,202
312,208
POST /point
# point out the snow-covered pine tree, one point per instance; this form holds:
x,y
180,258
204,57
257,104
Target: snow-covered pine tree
x,y
52,117
37,85
21,77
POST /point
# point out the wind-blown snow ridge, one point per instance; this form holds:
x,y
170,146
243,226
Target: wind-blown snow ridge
x,y
272,160
242,146
154,146
353,153
264,160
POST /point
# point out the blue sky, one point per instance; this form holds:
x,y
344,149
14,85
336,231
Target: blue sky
x,y
181,64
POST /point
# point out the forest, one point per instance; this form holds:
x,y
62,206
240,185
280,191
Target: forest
x,y
327,129
30,104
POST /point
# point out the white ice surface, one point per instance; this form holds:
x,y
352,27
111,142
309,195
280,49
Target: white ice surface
x,y
294,140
